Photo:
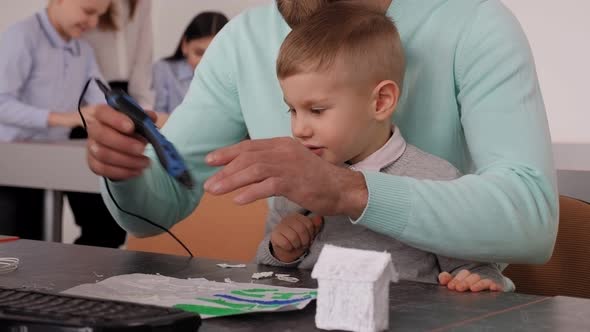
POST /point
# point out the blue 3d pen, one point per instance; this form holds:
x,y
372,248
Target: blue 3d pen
x,y
144,126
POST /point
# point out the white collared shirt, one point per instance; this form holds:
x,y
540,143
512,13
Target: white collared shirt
x,y
385,156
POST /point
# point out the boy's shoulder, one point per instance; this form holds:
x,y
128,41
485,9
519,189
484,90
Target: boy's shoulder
x,y
85,47
420,164
26,31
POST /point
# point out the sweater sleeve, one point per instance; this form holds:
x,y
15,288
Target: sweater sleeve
x,y
209,118
506,210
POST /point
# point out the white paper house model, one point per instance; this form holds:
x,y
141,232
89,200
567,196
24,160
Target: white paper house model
x,y
353,289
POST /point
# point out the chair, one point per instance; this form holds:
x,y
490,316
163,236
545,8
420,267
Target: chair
x,y
568,271
217,229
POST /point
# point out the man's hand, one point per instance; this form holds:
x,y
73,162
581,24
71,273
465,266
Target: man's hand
x,y
291,238
467,281
113,150
284,167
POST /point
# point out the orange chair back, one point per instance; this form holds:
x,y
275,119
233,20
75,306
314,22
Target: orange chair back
x,y
568,271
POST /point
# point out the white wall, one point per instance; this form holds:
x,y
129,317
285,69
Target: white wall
x,y
557,30
559,35
170,18
12,11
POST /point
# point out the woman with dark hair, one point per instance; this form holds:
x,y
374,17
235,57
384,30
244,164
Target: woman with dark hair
x,y
173,75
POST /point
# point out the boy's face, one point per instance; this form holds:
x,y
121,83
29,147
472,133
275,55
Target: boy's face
x,y
331,115
78,16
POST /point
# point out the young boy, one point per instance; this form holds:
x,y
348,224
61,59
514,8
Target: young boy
x,y
44,67
341,73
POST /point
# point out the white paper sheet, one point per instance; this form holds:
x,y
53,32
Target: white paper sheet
x,y
208,298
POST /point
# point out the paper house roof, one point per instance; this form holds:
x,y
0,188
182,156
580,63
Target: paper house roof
x,y
337,263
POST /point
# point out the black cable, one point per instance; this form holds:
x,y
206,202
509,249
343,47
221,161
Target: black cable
x,y
144,219
109,189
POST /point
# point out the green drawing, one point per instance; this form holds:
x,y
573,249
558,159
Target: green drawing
x,y
245,293
232,305
240,306
207,310
286,296
207,298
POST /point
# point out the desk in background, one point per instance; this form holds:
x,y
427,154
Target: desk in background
x,y
572,161
413,306
53,166
571,156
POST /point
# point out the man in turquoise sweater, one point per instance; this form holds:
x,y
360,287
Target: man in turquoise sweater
x,y
471,96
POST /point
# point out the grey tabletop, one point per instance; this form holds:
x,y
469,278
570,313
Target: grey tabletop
x,y
413,306
58,165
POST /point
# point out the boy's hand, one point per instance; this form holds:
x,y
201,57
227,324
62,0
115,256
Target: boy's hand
x,y
72,119
161,119
88,112
467,281
293,236
64,119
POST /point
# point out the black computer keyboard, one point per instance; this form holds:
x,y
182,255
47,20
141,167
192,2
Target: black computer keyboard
x,y
31,311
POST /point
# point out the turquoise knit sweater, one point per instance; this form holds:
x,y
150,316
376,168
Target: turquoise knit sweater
x,y
471,96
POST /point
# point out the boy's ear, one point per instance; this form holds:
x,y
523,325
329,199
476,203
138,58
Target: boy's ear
x,y
386,96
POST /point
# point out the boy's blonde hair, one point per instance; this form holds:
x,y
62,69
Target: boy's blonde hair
x,y
366,41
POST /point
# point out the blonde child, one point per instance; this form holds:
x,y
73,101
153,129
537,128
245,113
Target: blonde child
x,y
44,65
341,73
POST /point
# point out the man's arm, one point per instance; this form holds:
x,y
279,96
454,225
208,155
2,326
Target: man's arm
x,y
208,118
506,211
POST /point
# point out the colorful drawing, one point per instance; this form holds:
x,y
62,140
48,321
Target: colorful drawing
x,y
208,298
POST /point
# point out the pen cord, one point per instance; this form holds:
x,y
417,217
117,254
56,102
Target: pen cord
x,y
106,181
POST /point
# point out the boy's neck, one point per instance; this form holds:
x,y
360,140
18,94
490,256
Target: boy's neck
x,y
52,19
381,137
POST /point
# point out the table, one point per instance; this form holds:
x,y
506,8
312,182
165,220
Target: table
x,y
53,166
413,306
